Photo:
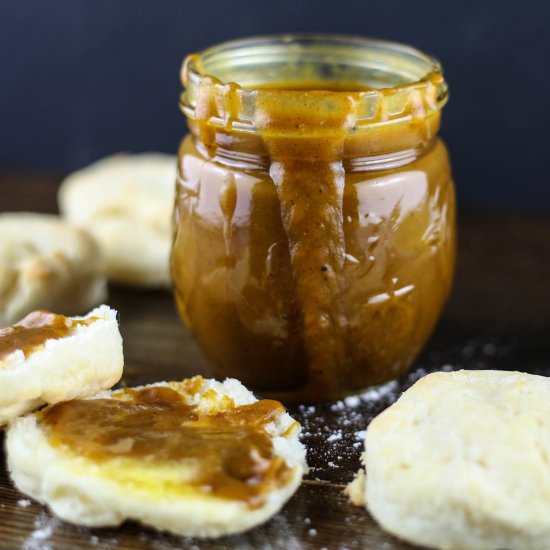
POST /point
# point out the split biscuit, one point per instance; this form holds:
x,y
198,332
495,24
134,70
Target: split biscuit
x,y
47,263
126,203
195,458
462,460
48,358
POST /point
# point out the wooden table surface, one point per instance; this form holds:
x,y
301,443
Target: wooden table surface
x,y
498,317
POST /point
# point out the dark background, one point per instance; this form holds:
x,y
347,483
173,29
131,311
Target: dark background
x,y
85,78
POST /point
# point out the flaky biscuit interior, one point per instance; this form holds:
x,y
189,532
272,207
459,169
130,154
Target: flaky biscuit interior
x,y
80,364
83,492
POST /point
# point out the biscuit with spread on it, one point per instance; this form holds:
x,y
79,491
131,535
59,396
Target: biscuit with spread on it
x,y
462,460
146,472
47,263
125,201
80,360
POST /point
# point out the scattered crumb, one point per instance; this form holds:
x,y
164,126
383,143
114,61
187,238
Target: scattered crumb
x,y
312,532
24,502
355,490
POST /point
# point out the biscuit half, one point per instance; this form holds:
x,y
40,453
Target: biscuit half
x,y
49,358
125,201
462,460
47,263
146,474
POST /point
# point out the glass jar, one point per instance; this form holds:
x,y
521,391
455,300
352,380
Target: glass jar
x,y
315,213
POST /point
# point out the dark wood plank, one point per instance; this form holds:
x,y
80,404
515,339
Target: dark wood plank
x,y
497,318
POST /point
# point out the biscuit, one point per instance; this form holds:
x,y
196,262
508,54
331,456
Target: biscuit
x,y
462,461
67,358
47,263
143,475
126,202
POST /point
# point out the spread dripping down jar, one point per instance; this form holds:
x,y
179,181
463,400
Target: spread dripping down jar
x,y
315,213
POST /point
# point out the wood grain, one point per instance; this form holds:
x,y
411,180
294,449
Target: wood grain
x,y
497,318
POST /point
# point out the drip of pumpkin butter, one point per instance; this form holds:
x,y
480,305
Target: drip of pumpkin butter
x,y
304,133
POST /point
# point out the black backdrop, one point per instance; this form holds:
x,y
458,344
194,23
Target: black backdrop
x,y
84,78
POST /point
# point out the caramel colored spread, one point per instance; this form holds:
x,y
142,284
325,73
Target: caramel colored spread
x,y
312,278
33,331
229,453
309,176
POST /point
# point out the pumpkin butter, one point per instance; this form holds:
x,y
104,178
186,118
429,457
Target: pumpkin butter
x,y
34,330
226,454
314,218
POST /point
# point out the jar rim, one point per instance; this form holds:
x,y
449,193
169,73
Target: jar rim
x,y
403,82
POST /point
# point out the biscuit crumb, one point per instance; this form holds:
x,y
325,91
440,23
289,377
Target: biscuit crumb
x,y
355,490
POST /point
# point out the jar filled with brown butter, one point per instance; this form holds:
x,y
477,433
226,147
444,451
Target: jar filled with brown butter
x,y
315,213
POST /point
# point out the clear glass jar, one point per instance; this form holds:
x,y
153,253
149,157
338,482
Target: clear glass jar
x,y
315,213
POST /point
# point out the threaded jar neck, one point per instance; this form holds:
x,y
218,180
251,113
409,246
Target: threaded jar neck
x,y
403,82
383,98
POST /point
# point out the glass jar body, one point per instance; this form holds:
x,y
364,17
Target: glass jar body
x,y
233,276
